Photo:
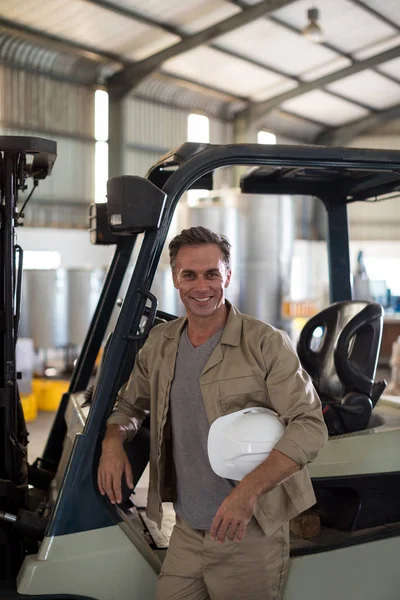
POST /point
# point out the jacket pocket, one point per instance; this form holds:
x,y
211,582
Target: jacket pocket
x,y
241,392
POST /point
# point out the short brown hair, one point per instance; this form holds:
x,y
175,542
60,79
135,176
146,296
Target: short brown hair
x,y
199,236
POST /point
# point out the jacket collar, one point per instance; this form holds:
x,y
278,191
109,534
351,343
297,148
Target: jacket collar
x,y
232,331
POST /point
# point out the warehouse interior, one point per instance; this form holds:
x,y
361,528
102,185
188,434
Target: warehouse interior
x,y
118,84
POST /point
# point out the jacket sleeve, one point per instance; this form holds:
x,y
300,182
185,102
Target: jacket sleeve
x,y
292,395
133,399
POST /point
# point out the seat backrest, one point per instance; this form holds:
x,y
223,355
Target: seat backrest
x,y
346,357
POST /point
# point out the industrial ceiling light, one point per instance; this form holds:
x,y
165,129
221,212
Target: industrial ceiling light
x,y
313,30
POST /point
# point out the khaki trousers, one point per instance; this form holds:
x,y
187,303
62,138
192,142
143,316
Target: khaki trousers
x,y
197,568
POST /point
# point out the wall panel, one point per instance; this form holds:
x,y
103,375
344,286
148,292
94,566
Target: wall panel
x,y
35,101
151,129
138,162
36,105
152,125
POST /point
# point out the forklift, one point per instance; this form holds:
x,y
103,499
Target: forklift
x,y
59,537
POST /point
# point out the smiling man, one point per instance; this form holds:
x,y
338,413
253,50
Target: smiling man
x,y
231,539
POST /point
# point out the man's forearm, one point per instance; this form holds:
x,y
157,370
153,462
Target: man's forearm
x,y
269,474
115,433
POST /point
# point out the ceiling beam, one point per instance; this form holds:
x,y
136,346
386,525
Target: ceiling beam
x,y
271,69
278,21
327,45
197,86
257,111
123,82
376,14
341,136
129,13
61,44
139,17
293,29
172,29
84,51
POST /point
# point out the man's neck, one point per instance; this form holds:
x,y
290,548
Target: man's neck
x,y
200,329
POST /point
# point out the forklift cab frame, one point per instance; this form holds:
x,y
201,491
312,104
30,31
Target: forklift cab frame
x,y
336,176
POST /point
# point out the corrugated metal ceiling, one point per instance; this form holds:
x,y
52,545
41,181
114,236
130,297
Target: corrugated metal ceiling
x,y
324,108
392,68
257,61
84,22
24,54
388,8
191,16
277,47
377,47
369,87
345,25
236,76
184,95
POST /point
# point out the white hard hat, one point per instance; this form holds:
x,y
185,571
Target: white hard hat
x,y
240,441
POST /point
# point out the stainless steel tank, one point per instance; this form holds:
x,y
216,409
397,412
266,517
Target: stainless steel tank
x,y
261,230
84,289
44,307
164,290
266,255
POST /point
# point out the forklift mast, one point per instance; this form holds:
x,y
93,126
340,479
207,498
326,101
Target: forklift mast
x,y
20,158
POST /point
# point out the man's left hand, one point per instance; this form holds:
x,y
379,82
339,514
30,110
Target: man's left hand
x,y
233,515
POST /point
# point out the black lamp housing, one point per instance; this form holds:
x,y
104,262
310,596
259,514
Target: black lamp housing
x,y
134,205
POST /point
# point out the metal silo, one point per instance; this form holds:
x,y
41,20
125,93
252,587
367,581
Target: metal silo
x,y
44,307
84,289
164,290
266,255
261,231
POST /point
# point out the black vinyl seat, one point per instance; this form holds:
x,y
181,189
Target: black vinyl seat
x,y
339,348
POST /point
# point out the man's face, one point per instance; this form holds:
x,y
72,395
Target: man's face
x,y
201,277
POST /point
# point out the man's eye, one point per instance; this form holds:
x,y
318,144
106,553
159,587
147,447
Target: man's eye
x,y
213,275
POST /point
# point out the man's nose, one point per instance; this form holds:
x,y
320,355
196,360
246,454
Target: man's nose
x,y
201,283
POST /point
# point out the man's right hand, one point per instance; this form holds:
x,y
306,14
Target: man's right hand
x,y
113,464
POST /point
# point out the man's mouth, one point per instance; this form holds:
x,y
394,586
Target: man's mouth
x,y
202,299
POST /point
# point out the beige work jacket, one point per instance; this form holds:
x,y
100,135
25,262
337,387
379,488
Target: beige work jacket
x,y
253,365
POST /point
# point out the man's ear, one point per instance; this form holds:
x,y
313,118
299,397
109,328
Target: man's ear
x,y
175,280
228,278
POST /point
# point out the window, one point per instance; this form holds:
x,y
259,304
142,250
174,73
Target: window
x,y
101,149
41,259
266,137
101,116
198,131
384,269
193,196
100,172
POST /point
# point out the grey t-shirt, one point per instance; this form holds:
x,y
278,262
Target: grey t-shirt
x,y
200,491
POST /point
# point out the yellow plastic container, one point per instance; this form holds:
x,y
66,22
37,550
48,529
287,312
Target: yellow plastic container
x,y
29,406
49,392
37,385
